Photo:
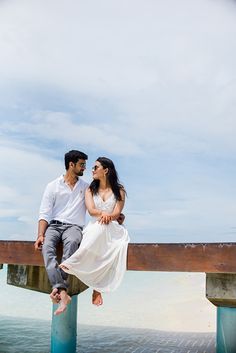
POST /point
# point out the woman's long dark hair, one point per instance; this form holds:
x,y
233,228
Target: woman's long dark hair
x,y
112,177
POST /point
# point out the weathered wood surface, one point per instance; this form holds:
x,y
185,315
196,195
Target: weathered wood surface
x,y
187,257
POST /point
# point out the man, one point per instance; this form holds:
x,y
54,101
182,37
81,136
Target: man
x,y
61,219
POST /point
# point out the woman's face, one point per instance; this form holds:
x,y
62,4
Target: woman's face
x,y
98,171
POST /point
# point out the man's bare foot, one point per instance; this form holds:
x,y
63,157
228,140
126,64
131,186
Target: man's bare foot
x,y
55,296
97,298
65,300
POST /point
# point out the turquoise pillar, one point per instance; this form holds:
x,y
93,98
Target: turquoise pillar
x,y
226,330
64,329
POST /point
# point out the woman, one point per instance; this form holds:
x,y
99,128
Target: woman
x,y
100,261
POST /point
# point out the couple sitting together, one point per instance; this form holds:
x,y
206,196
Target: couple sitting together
x,y
95,254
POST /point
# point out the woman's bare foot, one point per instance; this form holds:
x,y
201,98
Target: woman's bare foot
x,y
97,298
65,300
64,268
55,296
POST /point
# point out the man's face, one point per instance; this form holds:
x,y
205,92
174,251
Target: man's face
x,y
79,167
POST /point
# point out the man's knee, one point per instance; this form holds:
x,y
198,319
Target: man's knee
x,y
73,245
71,240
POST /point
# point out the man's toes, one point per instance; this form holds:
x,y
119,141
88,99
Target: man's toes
x,y
53,292
55,296
61,309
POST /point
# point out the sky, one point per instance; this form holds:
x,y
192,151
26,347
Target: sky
x,y
149,84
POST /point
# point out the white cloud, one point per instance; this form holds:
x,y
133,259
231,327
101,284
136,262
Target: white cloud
x,y
165,76
115,48
172,79
24,174
58,126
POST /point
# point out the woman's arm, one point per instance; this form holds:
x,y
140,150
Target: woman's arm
x,y
119,206
107,218
92,210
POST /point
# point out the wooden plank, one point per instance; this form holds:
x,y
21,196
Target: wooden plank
x,y
20,252
186,257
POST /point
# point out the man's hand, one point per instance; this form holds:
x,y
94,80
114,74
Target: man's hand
x,y
121,218
39,242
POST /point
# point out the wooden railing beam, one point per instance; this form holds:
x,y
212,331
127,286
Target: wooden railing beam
x,y
181,257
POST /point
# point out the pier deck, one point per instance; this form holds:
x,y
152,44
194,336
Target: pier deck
x,y
217,260
182,257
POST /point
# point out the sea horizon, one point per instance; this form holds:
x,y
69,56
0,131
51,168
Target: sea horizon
x,y
161,301
34,335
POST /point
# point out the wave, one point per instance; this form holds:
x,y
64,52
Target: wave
x,y
33,336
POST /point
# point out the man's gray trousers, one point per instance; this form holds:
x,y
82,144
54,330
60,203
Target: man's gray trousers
x,y
70,236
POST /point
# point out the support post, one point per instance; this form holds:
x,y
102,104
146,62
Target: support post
x,y
64,326
226,326
221,291
64,329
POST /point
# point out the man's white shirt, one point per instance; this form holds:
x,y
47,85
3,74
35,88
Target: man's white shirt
x,y
64,204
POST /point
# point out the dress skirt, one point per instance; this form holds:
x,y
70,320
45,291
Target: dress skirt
x,y
101,260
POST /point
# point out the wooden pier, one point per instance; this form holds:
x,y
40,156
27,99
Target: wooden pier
x,y
217,260
179,257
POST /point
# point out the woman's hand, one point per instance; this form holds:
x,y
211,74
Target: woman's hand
x,y
105,218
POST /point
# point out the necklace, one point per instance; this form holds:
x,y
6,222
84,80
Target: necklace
x,y
105,193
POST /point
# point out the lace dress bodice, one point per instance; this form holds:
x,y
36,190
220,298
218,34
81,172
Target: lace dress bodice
x,y
107,206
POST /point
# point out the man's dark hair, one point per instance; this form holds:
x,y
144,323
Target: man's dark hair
x,y
74,156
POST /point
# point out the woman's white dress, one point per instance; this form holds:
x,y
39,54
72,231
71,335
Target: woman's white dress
x,y
100,261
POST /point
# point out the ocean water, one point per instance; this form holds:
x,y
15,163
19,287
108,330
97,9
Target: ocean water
x,y
33,336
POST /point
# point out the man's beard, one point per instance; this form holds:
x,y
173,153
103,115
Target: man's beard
x,y
80,173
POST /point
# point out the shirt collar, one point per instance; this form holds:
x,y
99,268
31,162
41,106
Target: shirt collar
x,y
62,180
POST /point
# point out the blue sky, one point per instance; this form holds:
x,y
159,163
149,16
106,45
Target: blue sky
x,y
149,84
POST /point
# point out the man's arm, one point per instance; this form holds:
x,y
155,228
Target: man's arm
x,y
42,227
45,213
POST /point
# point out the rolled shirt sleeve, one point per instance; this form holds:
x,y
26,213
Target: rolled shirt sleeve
x,y
46,207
